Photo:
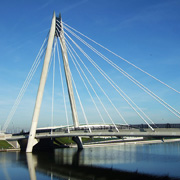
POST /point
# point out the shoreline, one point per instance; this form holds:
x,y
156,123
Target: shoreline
x,y
10,150
123,142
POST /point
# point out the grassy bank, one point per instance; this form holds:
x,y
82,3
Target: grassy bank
x,y
68,140
5,145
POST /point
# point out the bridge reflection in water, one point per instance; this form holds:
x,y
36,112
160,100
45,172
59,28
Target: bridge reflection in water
x,y
91,163
79,165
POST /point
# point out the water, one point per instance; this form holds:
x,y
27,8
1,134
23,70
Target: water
x,y
93,162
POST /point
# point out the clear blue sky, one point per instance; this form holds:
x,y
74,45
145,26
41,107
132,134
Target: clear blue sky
x,y
147,33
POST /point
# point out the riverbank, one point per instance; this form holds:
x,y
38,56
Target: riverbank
x,y
129,141
9,150
5,146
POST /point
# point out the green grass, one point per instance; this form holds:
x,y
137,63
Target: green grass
x,y
65,140
68,140
4,144
87,139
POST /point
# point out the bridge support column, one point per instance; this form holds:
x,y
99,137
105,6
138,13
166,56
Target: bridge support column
x,y
32,141
68,75
78,141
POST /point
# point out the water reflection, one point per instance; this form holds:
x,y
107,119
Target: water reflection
x,y
93,163
60,166
32,164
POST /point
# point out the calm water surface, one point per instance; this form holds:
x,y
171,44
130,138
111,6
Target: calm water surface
x,y
156,159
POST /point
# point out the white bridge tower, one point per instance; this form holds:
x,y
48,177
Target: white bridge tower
x,y
56,30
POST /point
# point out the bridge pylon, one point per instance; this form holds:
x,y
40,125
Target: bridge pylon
x,y
67,73
55,30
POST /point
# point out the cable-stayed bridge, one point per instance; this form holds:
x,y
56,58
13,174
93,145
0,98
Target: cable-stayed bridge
x,y
100,88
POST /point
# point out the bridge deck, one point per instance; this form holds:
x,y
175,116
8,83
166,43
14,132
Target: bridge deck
x,y
159,132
